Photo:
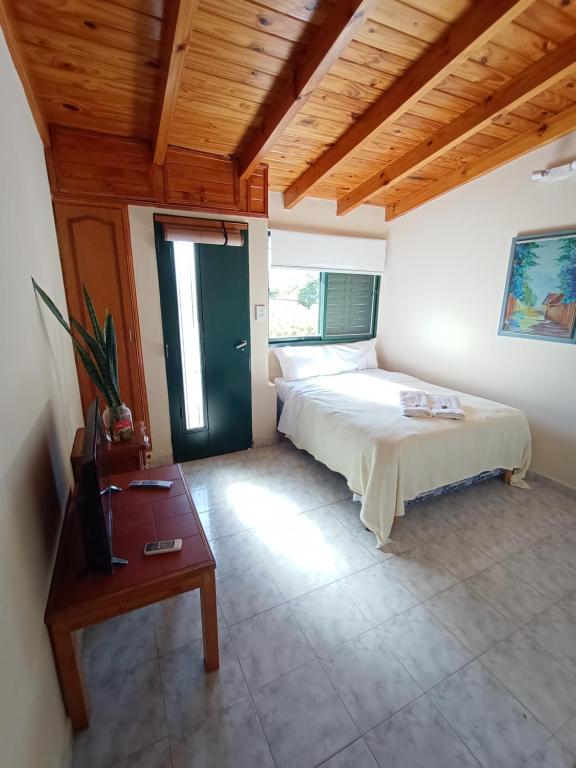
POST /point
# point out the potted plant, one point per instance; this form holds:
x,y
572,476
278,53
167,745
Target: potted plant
x,y
100,361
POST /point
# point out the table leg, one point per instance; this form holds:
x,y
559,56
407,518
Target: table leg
x,y
70,675
209,622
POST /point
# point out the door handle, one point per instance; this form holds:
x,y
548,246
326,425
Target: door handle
x,y
241,345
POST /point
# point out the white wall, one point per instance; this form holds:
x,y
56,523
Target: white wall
x,y
146,275
39,413
314,215
442,295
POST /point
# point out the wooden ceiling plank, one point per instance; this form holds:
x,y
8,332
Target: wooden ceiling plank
x,y
7,25
183,26
548,130
539,76
481,22
324,49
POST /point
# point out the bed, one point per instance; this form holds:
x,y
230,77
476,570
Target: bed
x,y
353,423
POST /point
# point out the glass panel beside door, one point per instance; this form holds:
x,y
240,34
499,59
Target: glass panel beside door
x,y
204,296
192,373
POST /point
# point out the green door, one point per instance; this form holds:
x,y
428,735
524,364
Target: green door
x,y
204,296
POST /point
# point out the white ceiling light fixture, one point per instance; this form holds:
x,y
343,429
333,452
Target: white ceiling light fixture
x,y
558,173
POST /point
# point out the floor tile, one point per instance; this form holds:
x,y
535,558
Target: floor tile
x,y
418,737
270,645
420,573
155,756
372,683
540,572
221,521
230,737
247,593
348,513
569,603
378,595
127,715
368,540
424,646
331,489
498,730
328,617
534,677
552,755
303,718
207,497
298,574
475,623
459,557
236,552
555,630
422,528
178,621
514,598
524,525
357,755
118,644
191,694
558,549
493,540
567,735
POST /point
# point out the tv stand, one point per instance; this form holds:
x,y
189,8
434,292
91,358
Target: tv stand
x,y
79,598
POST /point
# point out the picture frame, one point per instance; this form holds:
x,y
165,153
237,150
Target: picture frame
x,y
540,295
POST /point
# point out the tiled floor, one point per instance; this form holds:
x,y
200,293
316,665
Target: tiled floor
x,y
455,648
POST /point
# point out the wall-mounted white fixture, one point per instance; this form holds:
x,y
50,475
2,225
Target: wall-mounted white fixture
x,y
331,253
555,174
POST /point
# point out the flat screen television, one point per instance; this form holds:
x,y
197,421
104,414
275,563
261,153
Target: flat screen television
x,y
94,495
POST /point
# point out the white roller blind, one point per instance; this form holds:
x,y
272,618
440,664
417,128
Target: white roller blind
x,y
329,253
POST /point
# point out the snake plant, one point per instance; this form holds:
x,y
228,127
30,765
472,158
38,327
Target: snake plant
x,y
99,356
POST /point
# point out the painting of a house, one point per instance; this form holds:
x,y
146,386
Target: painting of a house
x,y
540,298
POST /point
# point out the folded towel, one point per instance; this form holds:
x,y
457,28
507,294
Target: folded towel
x,y
422,411
443,406
448,413
415,403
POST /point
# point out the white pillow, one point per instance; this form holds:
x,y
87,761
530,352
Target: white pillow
x,y
301,362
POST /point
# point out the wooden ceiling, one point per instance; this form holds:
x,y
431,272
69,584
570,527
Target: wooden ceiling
x,y
391,102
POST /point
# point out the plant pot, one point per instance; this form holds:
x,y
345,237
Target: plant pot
x,y
118,422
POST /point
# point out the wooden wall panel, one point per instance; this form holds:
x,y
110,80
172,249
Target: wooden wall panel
x,y
89,166
102,166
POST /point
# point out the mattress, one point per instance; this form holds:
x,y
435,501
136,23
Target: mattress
x,y
353,423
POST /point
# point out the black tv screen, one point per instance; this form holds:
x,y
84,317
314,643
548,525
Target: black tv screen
x,y
94,495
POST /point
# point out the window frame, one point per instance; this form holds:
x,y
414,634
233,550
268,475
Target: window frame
x,y
322,338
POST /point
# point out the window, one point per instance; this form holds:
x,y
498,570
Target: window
x,y
310,305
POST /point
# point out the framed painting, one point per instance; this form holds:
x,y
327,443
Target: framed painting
x,y
540,297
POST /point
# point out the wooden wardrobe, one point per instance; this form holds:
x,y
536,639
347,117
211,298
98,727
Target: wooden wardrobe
x,y
95,251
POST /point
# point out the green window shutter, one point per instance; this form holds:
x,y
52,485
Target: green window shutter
x,y
349,304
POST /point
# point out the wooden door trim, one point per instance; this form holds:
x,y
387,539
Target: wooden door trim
x,y
130,315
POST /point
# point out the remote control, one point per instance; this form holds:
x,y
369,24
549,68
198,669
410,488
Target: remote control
x,y
163,547
150,484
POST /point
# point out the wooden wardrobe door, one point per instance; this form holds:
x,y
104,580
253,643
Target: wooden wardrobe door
x,y
95,252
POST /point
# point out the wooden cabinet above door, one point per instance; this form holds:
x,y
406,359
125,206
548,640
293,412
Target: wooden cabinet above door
x,y
95,252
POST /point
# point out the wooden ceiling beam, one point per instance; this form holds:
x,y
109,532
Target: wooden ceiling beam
x,y
483,20
325,47
539,76
8,27
543,133
179,29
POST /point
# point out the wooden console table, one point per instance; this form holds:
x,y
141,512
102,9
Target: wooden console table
x,y
79,598
124,456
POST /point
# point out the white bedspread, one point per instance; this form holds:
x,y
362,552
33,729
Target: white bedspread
x,y
353,423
